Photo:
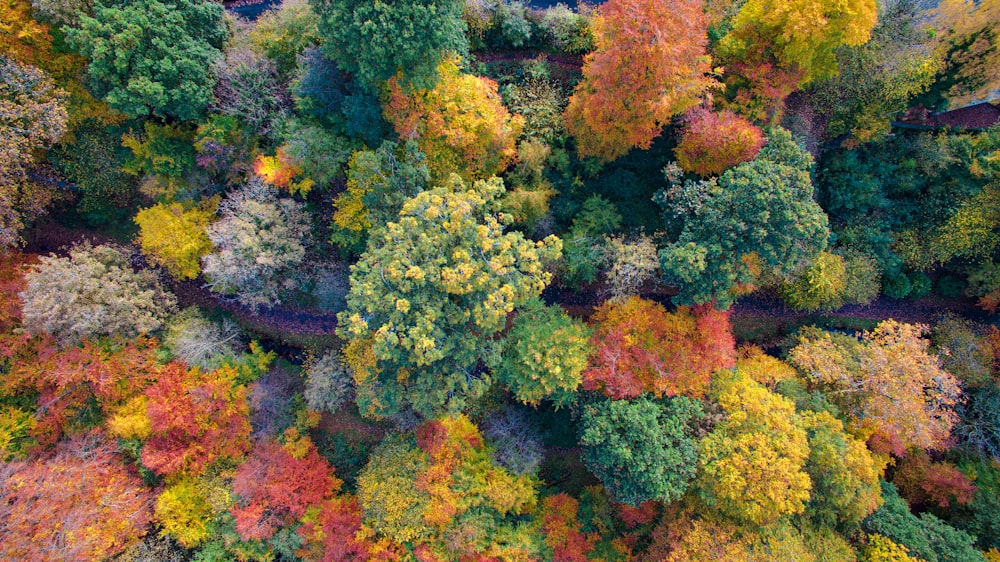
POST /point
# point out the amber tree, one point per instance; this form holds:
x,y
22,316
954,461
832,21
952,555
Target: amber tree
x,y
650,64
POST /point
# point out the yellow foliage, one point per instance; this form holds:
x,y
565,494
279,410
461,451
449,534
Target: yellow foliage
x,y
881,549
763,368
184,512
175,238
14,424
130,421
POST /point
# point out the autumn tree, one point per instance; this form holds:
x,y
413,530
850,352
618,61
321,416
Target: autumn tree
x,y
630,264
329,383
199,342
93,292
184,509
926,483
333,532
562,529
284,32
461,124
968,40
247,87
429,294
544,354
639,347
174,237
886,381
649,65
257,240
759,216
641,449
80,504
32,117
167,79
194,418
439,491
375,41
277,484
791,45
712,142
820,285
752,466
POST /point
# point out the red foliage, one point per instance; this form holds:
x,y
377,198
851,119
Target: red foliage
x,y
923,482
66,379
11,284
333,535
714,142
276,488
195,418
81,504
562,529
639,347
637,516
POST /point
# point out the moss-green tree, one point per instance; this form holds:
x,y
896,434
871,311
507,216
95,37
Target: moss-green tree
x,y
429,294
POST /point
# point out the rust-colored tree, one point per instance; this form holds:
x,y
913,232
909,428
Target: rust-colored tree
x,y
195,417
639,347
332,532
80,504
277,485
925,483
650,64
562,529
713,142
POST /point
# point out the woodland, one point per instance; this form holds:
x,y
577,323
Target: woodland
x,y
481,280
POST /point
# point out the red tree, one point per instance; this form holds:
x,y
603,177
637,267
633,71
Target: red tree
x,y
650,64
276,488
639,347
562,530
195,418
332,534
81,504
714,142
923,482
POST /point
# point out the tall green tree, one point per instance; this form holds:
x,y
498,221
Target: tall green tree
x,y
152,57
430,293
759,217
376,40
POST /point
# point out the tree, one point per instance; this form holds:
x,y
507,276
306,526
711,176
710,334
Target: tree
x,y
968,41
92,292
881,549
257,240
562,529
821,285
65,13
752,466
329,383
801,35
249,89
333,533
926,484
32,117
887,382
174,237
184,511
79,504
844,473
461,124
713,142
199,342
276,486
641,449
630,264
639,347
544,354
429,294
650,64
284,32
440,492
195,417
138,73
759,216
375,41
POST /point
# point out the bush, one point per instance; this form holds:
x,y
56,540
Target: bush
x,y
93,292
896,285
329,383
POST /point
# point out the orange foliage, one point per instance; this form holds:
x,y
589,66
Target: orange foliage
x,y
562,530
81,504
12,282
650,64
195,418
280,170
332,532
277,488
714,142
461,125
639,347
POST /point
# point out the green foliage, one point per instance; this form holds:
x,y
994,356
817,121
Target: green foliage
x,y
541,103
641,449
963,353
138,73
820,285
980,517
926,537
375,41
584,245
431,290
94,162
322,154
758,216
164,150
284,32
544,354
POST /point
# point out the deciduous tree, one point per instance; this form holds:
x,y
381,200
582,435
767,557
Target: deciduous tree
x,y
712,142
175,238
650,64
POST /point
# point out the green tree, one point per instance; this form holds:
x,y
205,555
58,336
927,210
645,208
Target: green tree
x,y
641,449
821,285
431,291
545,353
759,217
376,40
152,57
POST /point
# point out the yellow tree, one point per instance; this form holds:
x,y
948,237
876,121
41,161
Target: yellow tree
x,y
969,41
752,466
650,64
175,238
461,124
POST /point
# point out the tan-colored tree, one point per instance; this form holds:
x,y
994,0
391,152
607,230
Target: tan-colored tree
x,y
650,64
